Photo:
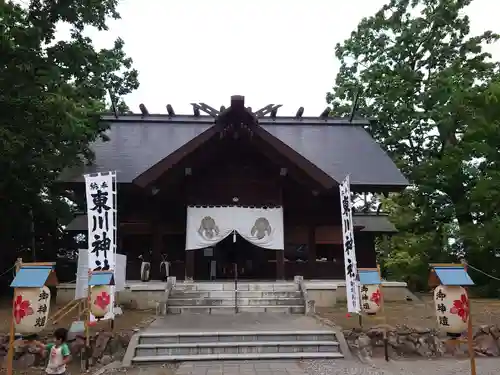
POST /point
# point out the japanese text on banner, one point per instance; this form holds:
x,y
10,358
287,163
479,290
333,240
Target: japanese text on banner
x,y
101,215
351,269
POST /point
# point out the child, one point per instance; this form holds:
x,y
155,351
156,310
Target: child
x,y
59,354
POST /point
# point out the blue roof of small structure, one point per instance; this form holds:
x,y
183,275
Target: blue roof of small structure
x,y
31,277
369,277
101,278
453,276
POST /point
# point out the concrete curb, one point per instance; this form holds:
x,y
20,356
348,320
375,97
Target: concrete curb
x,y
130,353
344,348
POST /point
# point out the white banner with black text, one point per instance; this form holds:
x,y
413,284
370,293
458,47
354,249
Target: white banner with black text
x,y
101,215
206,226
351,268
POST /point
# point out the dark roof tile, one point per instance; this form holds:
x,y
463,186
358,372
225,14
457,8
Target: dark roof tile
x,y
339,150
136,147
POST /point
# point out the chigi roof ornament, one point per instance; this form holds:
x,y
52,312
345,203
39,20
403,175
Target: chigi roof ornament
x,y
267,115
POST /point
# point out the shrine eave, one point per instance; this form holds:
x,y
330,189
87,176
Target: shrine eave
x,y
365,222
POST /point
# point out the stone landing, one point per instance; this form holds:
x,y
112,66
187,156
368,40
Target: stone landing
x,y
145,296
243,336
228,298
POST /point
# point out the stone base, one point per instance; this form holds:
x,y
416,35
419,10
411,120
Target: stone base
x,y
143,296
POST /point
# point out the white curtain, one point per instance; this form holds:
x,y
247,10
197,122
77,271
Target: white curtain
x,y
207,226
262,227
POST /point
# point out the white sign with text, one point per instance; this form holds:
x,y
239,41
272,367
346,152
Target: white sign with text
x,y
351,269
101,215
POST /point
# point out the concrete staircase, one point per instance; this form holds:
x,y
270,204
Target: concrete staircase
x,y
212,321
221,297
242,345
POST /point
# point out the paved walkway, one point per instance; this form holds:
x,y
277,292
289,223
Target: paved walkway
x,y
278,367
339,367
235,322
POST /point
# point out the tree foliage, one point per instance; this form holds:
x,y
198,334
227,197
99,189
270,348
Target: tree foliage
x,y
51,92
435,95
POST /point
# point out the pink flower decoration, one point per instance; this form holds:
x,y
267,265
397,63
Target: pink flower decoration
x,y
461,307
22,308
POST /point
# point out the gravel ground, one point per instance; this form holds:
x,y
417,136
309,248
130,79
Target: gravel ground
x,y
410,367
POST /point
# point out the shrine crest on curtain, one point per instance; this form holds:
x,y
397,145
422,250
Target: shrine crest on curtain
x,y
206,226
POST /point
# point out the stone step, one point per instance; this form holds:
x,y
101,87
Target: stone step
x,y
145,350
158,338
230,294
215,286
296,309
231,301
239,356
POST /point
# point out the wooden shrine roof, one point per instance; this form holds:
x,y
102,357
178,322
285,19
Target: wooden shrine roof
x,y
333,147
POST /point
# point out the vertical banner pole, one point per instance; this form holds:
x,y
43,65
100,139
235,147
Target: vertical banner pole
x,y
12,331
10,354
382,310
87,327
115,242
470,338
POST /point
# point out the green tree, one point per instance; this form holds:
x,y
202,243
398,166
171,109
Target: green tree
x,y
434,93
51,92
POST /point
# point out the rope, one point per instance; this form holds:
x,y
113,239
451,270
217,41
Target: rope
x,y
10,269
484,273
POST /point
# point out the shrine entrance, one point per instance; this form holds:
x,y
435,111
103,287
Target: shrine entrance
x,y
228,257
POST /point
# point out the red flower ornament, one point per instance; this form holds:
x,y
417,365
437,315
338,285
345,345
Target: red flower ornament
x,y
461,307
22,308
103,300
376,297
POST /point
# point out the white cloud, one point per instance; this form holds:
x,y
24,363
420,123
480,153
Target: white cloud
x,y
270,51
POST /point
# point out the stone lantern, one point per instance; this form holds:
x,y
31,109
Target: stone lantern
x,y
451,301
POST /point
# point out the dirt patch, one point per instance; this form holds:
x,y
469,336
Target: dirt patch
x,y
412,314
128,321
124,325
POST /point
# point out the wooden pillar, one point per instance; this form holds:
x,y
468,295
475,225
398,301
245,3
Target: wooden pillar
x,y
157,249
280,254
280,264
311,251
120,247
190,264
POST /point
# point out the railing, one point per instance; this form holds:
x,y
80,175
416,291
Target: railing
x,y
309,304
162,306
235,265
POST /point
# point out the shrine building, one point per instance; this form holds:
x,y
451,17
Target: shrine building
x,y
208,190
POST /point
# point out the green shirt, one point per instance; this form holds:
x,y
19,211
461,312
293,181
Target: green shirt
x,y
56,356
